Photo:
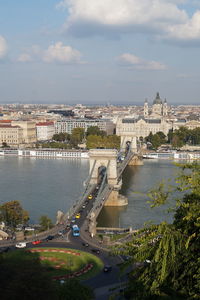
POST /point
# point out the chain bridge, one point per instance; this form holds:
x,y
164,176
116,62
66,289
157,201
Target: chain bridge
x,y
105,180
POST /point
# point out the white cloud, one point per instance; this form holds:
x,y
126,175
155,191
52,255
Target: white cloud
x,y
188,31
55,53
162,18
3,47
61,54
122,12
139,63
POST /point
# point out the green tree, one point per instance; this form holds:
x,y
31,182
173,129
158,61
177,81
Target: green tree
x,y
23,277
45,223
13,214
77,136
94,130
72,289
169,253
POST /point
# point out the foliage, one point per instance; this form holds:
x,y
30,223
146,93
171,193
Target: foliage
x,y
45,223
13,214
77,136
183,136
56,145
61,137
23,277
72,289
94,130
107,142
156,139
169,253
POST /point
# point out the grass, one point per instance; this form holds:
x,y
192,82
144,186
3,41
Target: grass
x,y
59,264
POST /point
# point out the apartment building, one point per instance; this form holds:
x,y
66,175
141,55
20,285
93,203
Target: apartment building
x,y
11,135
29,130
45,131
68,124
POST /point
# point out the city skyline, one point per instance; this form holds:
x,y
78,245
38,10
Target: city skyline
x,y
95,52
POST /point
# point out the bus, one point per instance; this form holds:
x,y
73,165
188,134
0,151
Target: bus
x,y
75,230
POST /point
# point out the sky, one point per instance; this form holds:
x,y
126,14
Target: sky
x,y
99,51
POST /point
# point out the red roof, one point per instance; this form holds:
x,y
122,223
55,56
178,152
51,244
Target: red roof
x,y
5,121
45,124
8,126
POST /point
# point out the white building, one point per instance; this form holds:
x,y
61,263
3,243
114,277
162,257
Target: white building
x,y
68,124
45,131
157,110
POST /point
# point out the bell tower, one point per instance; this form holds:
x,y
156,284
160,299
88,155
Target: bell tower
x,y
146,108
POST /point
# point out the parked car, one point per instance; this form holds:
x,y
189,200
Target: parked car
x,y
29,229
20,245
85,244
49,238
36,242
107,268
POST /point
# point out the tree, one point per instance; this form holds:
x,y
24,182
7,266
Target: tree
x,y
23,277
61,137
13,214
94,130
77,136
107,142
45,223
72,289
169,253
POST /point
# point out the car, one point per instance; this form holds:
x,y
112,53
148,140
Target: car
x,y
49,238
83,206
29,229
4,249
85,244
78,216
90,197
73,220
107,268
97,251
36,242
20,245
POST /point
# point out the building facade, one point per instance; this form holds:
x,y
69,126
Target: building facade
x,y
45,131
11,135
29,130
142,127
68,124
158,109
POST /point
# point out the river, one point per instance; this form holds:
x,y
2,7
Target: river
x,y
44,186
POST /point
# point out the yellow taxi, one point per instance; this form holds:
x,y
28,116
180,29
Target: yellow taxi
x,y
78,216
90,197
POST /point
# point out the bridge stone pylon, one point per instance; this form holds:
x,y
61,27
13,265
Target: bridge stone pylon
x,y
132,140
103,158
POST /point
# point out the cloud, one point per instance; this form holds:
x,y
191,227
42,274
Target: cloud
x,y
123,13
139,63
189,31
55,53
61,54
3,47
164,19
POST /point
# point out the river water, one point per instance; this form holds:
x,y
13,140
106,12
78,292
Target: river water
x,y
44,186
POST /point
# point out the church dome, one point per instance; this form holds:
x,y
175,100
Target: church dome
x,y
157,100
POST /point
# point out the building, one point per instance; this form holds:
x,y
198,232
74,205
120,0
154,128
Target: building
x,y
45,131
29,130
11,135
68,124
157,110
141,127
